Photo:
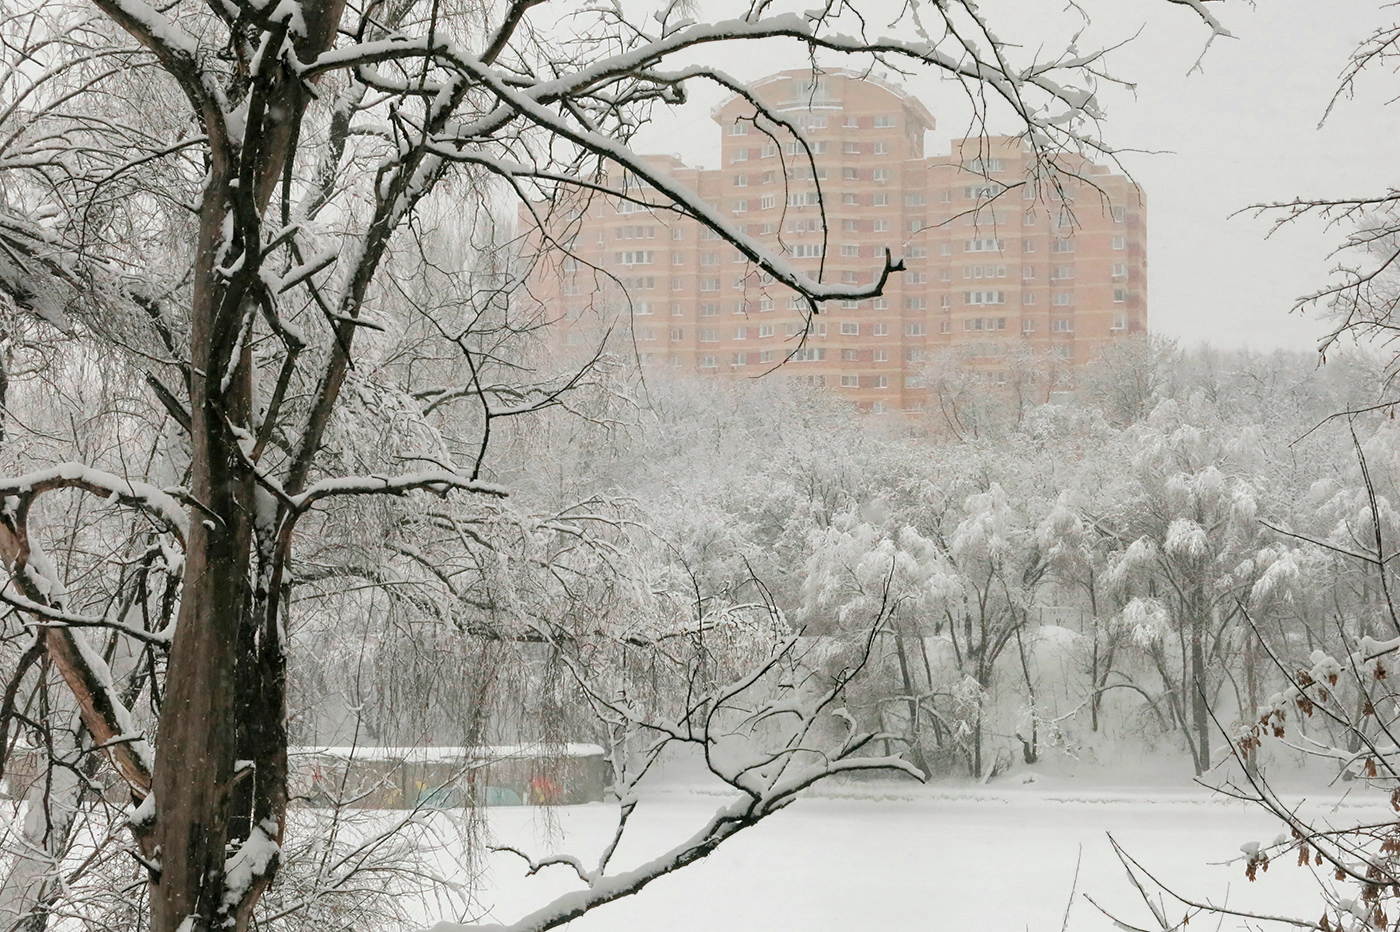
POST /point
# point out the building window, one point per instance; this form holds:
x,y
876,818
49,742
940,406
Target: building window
x,y
849,355
880,355
915,303
984,297
850,148
1062,325
677,333
1120,270
880,200
766,330
880,304
945,249
642,308
880,175
740,359
1061,245
1120,295
1120,214
850,381
1065,351
677,310
1028,219
880,226
880,330
765,356
1028,246
1120,242
741,333
767,202
639,257
915,224
884,121
915,278
1027,298
1120,322
740,155
709,310
677,234
1027,273
709,284
709,335
1061,273
741,180
738,129
982,245
945,301
915,200
850,329
1027,326
913,329
741,206
850,226
882,381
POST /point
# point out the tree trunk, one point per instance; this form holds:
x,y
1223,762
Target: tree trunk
x,y
1200,710
916,751
197,736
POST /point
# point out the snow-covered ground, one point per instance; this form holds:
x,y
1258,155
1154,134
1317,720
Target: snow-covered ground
x,y
904,857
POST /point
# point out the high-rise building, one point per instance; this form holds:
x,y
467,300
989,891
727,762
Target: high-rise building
x,y
997,260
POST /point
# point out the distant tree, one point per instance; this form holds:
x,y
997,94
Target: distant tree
x,y
1129,377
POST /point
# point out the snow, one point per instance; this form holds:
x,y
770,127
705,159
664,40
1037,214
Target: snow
x,y
895,857
250,861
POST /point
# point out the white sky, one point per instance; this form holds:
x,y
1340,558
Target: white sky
x,y
1242,130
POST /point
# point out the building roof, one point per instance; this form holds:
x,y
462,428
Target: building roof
x,y
905,98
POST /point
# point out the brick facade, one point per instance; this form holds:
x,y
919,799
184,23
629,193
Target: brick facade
x,y
995,262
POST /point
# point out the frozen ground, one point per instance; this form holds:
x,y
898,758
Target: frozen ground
x,y
896,858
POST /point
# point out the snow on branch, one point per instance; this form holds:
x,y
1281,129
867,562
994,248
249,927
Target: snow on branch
x,y
19,493
769,735
440,481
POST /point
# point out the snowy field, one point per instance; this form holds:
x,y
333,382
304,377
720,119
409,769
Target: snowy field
x,y
910,858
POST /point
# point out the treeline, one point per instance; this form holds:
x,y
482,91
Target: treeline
x,y
1128,566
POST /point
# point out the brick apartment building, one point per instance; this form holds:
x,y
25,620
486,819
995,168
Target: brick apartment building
x,y
993,266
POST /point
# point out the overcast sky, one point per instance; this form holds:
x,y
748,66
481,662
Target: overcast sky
x,y
1241,130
